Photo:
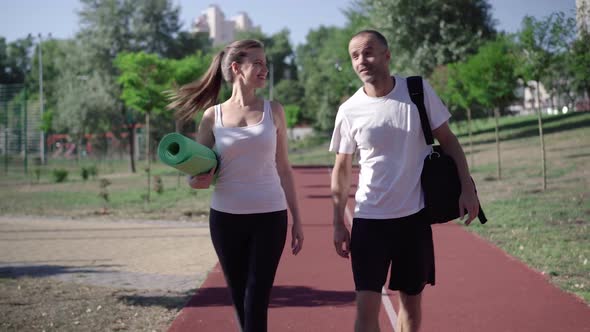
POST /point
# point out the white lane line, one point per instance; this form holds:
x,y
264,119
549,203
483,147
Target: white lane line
x,y
384,297
389,309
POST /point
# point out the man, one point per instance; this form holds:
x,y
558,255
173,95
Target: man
x,y
390,230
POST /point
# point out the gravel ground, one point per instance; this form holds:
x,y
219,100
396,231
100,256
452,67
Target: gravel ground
x,y
98,275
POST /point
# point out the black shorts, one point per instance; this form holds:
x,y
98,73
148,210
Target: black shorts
x,y
405,244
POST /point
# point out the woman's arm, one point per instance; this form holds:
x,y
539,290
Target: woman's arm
x,y
205,131
205,137
286,175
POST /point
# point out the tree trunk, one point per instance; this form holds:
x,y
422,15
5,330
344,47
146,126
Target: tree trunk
x,y
131,139
147,154
178,127
496,117
131,125
469,129
543,159
79,149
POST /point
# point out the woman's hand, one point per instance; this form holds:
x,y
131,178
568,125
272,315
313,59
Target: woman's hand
x,y
296,238
201,181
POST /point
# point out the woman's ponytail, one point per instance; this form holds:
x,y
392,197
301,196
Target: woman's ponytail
x,y
199,95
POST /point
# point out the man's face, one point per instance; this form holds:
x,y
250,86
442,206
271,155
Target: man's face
x,y
370,58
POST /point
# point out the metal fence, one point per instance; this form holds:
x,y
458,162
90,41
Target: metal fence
x,y
23,145
20,127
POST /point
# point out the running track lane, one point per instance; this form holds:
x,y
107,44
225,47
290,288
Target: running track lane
x,y
479,287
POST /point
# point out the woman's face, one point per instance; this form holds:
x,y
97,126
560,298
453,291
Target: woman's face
x,y
253,70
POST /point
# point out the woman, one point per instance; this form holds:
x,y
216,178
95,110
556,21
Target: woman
x,y
254,187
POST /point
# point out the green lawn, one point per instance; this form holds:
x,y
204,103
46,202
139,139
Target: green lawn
x,y
548,230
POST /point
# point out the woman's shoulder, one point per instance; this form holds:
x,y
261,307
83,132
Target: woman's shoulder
x,y
277,112
209,114
275,106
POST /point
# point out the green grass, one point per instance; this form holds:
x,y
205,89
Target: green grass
x,y
515,127
547,230
311,150
127,196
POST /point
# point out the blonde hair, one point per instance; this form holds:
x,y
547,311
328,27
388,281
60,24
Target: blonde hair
x,y
203,93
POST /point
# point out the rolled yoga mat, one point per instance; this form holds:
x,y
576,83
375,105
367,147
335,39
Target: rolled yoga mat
x,y
185,154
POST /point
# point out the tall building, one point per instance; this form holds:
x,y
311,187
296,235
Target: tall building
x,y
221,31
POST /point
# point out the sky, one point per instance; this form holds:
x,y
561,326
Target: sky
x,y
59,18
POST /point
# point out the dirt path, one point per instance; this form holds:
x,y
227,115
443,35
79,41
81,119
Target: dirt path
x,y
98,275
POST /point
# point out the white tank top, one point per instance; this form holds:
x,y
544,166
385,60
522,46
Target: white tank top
x,y
248,180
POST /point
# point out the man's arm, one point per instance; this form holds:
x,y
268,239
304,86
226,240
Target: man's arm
x,y
468,199
341,176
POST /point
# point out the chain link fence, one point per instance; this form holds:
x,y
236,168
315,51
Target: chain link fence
x,y
20,128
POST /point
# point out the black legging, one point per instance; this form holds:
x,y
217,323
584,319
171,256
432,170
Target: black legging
x,y
249,247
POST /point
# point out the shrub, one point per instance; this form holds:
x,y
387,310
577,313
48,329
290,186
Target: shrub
x,y
104,194
37,172
92,171
158,185
84,173
60,175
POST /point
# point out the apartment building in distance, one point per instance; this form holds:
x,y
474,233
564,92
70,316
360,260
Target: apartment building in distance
x,y
221,30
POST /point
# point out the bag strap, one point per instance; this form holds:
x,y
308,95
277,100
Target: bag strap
x,y
416,90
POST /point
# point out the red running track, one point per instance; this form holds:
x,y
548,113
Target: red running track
x,y
479,287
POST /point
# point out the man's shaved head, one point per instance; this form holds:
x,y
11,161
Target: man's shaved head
x,y
376,34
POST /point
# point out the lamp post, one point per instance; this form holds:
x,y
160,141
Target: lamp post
x,y
41,101
270,87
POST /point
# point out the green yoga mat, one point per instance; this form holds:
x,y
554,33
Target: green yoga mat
x,y
185,154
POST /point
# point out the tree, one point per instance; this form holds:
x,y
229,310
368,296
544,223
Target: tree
x,y
85,105
110,27
154,25
53,50
539,46
580,62
105,31
426,33
578,59
325,71
449,83
491,80
558,80
292,115
15,60
188,43
326,74
143,79
289,91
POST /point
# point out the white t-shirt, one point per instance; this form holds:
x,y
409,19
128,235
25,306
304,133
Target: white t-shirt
x,y
388,135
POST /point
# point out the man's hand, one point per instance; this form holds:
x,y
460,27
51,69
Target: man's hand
x,y
468,201
342,240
